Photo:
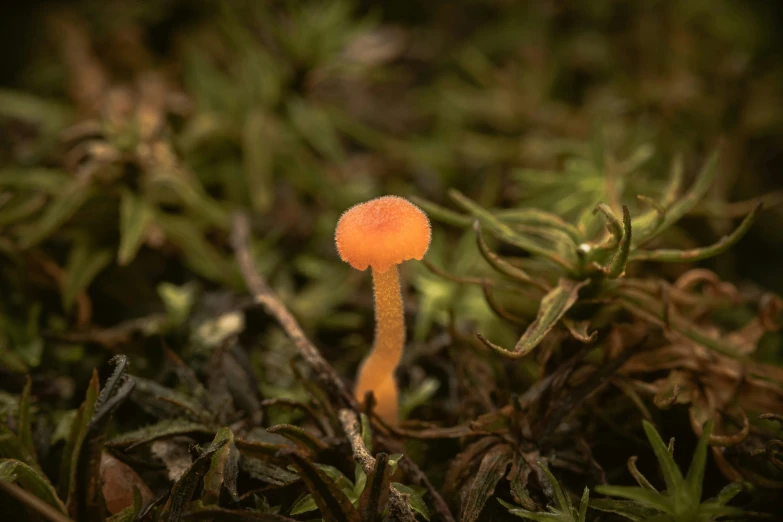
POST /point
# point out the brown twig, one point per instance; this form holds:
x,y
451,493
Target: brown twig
x,y
353,430
398,503
263,295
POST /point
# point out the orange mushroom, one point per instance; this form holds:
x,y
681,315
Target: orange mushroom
x,y
382,233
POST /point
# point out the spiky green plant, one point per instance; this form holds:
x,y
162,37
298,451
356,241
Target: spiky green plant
x,y
571,265
681,500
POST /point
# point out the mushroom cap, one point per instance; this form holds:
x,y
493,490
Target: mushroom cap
x,y
381,233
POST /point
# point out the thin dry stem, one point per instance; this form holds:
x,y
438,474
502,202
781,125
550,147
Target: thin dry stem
x,y
397,501
263,295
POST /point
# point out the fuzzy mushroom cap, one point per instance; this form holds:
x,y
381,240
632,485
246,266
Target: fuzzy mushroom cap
x,y
381,233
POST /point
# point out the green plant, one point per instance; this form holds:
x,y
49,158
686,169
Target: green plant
x,y
570,267
355,490
563,510
681,500
130,132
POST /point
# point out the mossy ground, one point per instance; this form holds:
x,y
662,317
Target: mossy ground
x,y
138,139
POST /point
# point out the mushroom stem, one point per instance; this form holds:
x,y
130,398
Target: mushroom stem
x,y
377,371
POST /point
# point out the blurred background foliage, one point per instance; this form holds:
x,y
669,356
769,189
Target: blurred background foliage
x,y
131,130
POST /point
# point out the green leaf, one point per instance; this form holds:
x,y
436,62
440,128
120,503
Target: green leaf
x,y
200,256
28,343
584,502
265,451
21,105
537,516
183,490
417,396
12,470
395,458
218,468
360,480
675,483
272,474
29,503
62,207
645,224
685,204
258,151
24,424
135,217
620,259
697,254
11,361
443,214
85,496
73,447
563,504
695,475
630,509
303,505
727,493
659,212
339,480
187,188
553,307
335,506
505,233
534,217
498,263
637,475
20,208
48,181
643,496
366,431
672,189
84,264
178,300
492,468
414,499
717,510
299,436
519,493
613,224
161,430
314,125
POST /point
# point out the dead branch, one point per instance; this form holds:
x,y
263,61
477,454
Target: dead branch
x,y
263,295
397,501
